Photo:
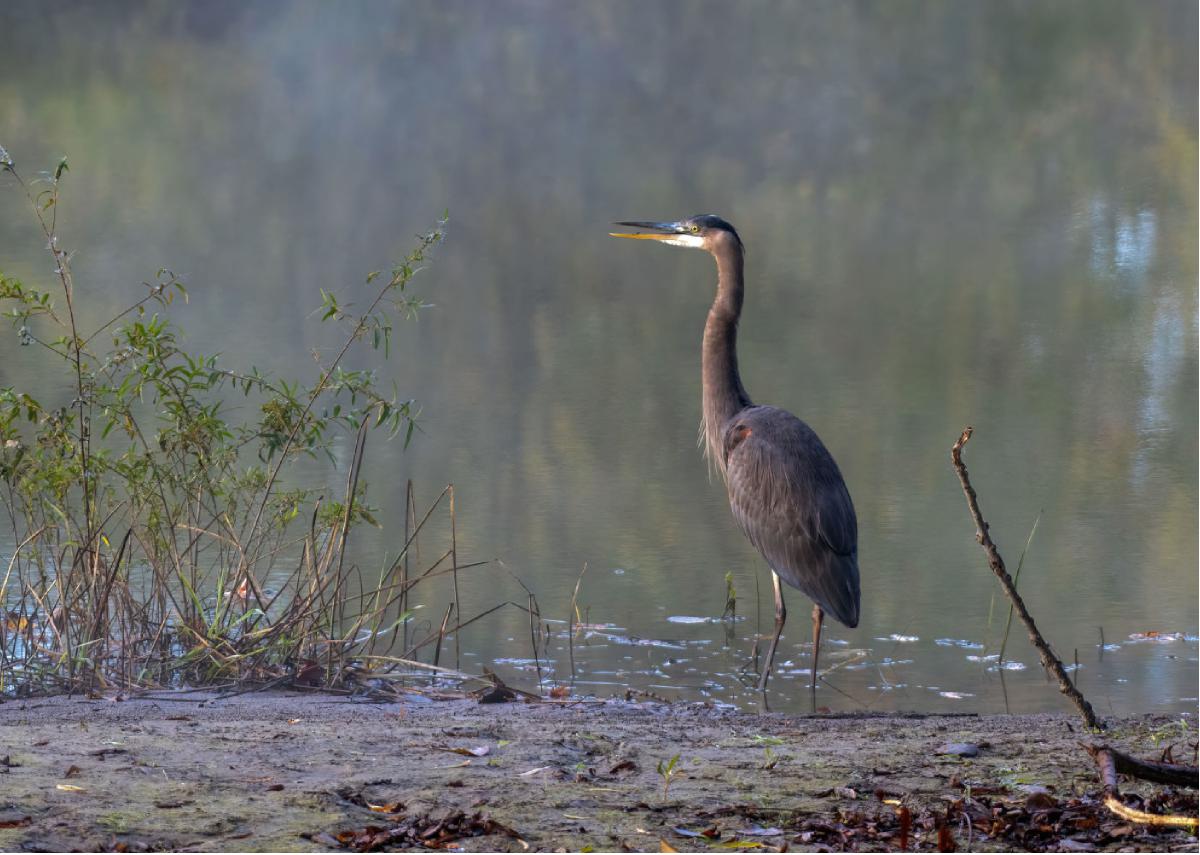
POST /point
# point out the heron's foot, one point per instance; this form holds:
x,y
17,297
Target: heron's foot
x,y
768,663
762,679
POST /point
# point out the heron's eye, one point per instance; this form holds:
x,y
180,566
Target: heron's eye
x,y
695,229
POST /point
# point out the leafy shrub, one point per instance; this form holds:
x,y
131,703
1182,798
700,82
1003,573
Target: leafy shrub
x,y
145,517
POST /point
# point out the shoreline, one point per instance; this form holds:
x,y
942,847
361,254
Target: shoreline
x,y
291,772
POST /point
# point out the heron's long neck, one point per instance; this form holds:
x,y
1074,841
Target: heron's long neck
x,y
724,395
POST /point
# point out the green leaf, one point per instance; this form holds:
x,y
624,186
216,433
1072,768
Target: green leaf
x,y
60,169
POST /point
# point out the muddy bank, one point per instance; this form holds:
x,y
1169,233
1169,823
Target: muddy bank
x,y
293,772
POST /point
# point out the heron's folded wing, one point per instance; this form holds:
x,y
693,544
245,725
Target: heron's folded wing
x,y
789,498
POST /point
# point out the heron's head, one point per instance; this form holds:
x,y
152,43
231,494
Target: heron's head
x,y
703,231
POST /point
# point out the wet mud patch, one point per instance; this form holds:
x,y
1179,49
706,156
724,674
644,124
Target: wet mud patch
x,y
311,772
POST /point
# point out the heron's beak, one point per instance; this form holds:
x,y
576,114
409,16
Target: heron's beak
x,y
665,231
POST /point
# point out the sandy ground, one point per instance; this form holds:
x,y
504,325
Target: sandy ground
x,y
291,772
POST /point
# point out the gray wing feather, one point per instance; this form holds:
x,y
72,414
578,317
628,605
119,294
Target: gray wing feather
x,y
788,496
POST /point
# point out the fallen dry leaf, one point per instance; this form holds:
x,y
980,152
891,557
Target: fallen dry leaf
x,y
664,846
390,807
479,751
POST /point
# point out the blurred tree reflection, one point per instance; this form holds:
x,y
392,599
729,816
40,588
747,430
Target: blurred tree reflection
x,y
955,212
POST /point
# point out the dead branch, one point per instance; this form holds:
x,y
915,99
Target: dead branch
x,y
1175,774
1110,761
1050,662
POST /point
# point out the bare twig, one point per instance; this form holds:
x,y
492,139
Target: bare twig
x,y
535,617
571,622
413,663
12,561
1050,662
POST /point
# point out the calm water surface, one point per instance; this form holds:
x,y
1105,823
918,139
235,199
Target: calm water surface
x,y
955,214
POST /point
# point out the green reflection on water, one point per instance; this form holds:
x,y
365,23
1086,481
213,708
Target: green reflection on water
x,y
955,213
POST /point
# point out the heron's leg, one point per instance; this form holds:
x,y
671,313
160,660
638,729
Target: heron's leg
x,y
780,617
818,619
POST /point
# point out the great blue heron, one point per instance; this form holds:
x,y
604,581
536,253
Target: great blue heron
x,y
785,489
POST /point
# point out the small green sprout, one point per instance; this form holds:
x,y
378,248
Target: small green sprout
x,y
668,771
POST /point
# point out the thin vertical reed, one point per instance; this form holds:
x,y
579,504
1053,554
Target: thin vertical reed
x,y
437,650
454,575
410,515
571,622
533,622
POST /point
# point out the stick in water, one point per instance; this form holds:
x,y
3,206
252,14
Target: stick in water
x,y
1050,662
